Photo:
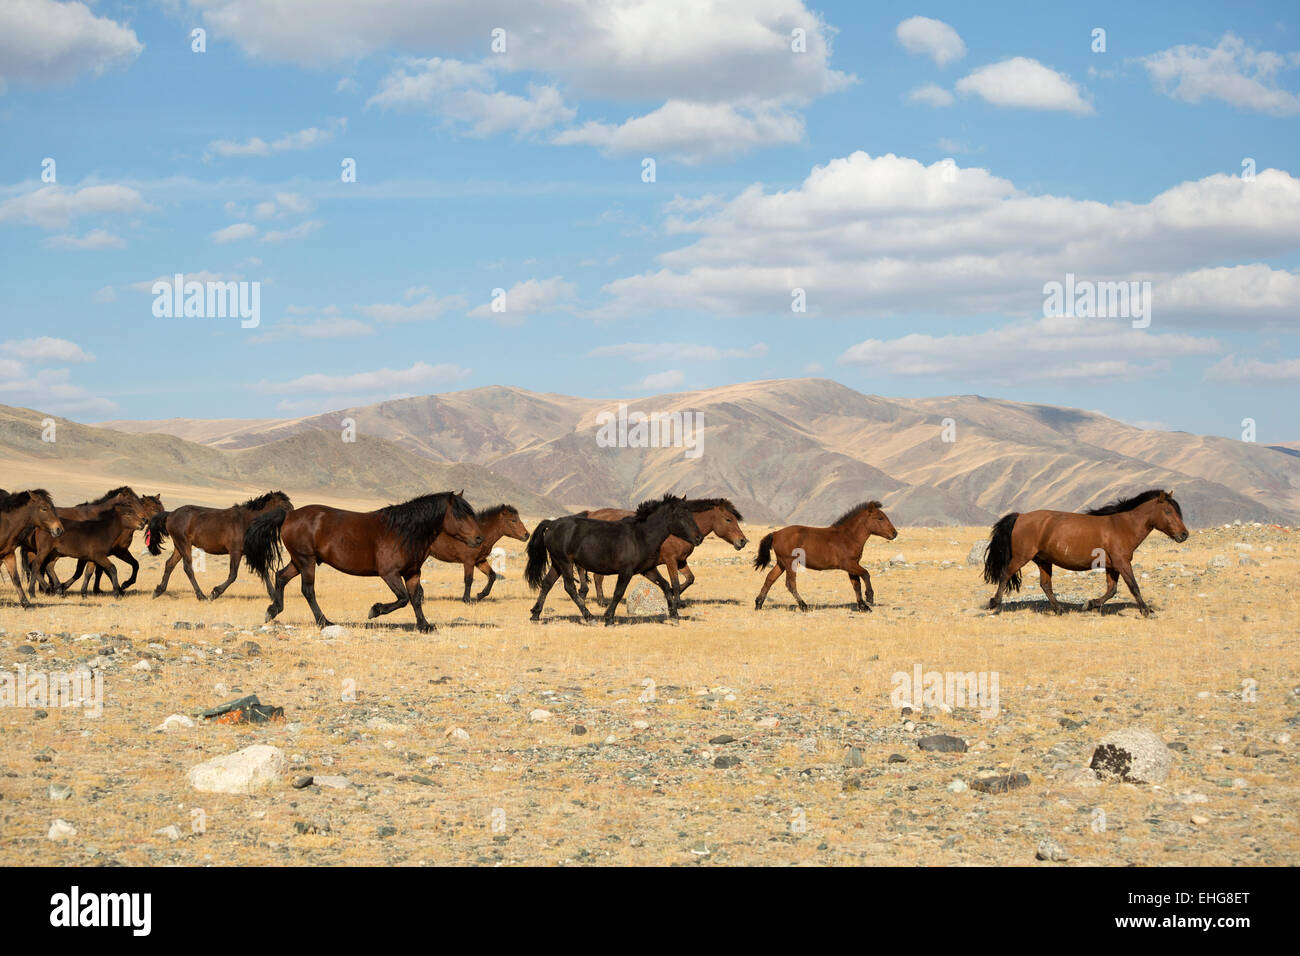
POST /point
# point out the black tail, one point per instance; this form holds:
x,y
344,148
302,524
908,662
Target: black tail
x,y
262,544
998,555
156,531
538,557
764,553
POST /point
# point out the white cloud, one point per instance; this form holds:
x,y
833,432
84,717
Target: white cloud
x,y
931,94
1024,84
54,206
47,42
693,132
308,138
105,295
300,231
424,310
1231,72
526,298
661,380
235,232
1232,370
1046,350
419,375
681,351
95,239
932,38
47,389
1250,294
47,349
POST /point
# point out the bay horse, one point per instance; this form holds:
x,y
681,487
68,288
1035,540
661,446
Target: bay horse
x,y
152,505
87,509
92,539
837,547
20,512
626,548
213,531
493,524
712,516
391,543
1101,538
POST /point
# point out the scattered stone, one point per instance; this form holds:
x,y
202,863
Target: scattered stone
x,y
767,722
301,783
61,830
958,786
172,832
977,552
1051,851
853,757
645,598
942,743
385,832
725,761
722,739
897,758
1001,783
245,771
538,715
60,791
334,631
1134,755
175,722
334,782
1078,777
578,730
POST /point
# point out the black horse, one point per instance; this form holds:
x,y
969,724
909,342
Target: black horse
x,y
625,548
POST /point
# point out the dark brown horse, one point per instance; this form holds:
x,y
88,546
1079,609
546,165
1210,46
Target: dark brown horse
x,y
493,524
87,509
92,539
1101,538
20,512
213,531
391,543
152,505
712,515
838,547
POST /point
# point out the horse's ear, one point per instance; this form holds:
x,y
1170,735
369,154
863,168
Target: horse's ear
x,y
1169,493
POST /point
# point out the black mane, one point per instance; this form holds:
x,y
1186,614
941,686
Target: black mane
x,y
704,504
1128,504
418,521
20,498
124,490
495,510
855,511
648,507
260,502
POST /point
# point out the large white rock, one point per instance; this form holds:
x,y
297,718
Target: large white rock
x,y
1133,754
245,771
644,598
976,553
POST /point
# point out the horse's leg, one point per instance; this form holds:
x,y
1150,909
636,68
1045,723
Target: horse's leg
x,y
308,571
236,553
548,582
790,585
772,575
859,571
1045,581
106,563
857,591
1112,580
1126,572
571,587
394,581
469,580
585,586
172,561
600,590
492,576
282,578
11,565
81,567
617,596
124,553
654,575
675,601
187,559
416,590
1014,565
690,577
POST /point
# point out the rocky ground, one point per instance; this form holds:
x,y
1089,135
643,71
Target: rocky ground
x,y
734,737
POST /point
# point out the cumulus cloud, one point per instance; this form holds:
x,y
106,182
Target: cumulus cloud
x,y
1023,83
419,375
46,42
26,379
55,206
235,232
1230,72
424,309
526,298
931,94
1235,371
681,351
932,38
308,138
661,380
300,231
95,239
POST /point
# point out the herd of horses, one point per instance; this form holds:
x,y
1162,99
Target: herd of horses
x,y
279,542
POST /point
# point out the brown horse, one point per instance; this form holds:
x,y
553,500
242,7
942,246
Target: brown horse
x,y
494,523
152,505
19,513
212,530
712,515
87,509
391,543
92,539
1101,538
825,549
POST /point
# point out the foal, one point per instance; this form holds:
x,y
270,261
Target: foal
x,y
92,539
824,549
494,523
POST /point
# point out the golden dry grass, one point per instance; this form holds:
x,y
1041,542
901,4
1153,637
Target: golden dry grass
x,y
519,791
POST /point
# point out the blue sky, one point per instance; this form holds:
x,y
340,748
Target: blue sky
x,y
920,172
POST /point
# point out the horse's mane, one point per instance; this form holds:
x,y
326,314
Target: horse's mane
x,y
1128,504
418,521
495,510
855,511
646,508
704,504
20,498
124,490
261,501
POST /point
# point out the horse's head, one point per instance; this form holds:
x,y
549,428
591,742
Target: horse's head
x,y
278,499
723,520
132,514
1168,516
152,505
459,520
512,524
40,511
878,523
681,522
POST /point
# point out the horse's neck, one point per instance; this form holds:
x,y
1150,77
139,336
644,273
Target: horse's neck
x,y
493,530
857,532
705,521
1137,524
656,528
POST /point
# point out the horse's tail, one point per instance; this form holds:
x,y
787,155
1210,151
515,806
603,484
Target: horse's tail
x,y
262,544
156,531
998,555
764,553
535,570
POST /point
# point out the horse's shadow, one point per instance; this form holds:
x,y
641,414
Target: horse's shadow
x,y
410,626
597,620
1042,606
847,606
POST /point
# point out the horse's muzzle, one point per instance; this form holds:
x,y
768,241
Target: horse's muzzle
x,y
1183,537
740,545
56,532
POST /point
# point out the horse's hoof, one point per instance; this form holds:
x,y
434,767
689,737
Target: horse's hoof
x,y
157,593
758,605
802,606
374,611
426,628
534,617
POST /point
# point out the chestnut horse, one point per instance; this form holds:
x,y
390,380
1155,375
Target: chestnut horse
x,y
87,509
20,512
625,548
1101,538
213,531
391,543
493,524
152,505
825,549
712,516
92,539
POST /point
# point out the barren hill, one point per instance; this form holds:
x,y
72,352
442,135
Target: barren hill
x,y
802,450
